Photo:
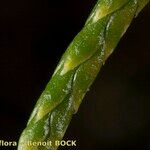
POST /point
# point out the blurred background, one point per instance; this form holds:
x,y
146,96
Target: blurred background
x,y
114,115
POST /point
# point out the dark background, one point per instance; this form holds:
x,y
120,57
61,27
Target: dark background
x,y
115,114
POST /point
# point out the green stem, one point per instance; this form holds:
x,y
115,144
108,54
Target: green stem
x,y
77,70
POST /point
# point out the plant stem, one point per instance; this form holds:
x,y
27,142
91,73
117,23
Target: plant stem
x,y
77,70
